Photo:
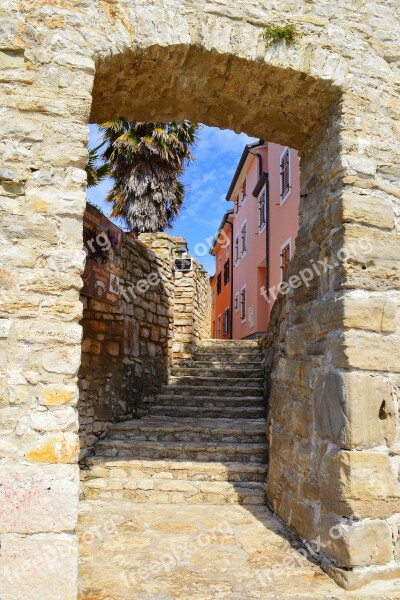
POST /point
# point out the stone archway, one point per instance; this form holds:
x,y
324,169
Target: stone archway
x,y
332,96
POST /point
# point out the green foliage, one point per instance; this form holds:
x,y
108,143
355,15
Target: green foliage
x,y
96,172
278,33
145,162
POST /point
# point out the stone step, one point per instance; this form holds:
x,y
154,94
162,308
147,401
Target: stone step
x,y
215,382
211,342
216,365
242,391
165,491
179,397
229,354
170,429
209,371
225,412
204,451
99,466
226,358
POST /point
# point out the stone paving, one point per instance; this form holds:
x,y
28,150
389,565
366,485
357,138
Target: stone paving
x,y
199,552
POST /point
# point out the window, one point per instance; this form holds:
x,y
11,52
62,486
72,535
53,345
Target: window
x,y
252,322
226,272
236,302
219,262
243,304
226,321
262,209
219,327
219,284
237,249
285,260
244,191
285,175
237,204
213,299
227,249
244,238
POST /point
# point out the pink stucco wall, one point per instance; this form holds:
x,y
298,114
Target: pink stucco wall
x,y
250,271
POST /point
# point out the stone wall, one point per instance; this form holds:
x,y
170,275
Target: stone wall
x,y
125,347
128,348
334,97
192,311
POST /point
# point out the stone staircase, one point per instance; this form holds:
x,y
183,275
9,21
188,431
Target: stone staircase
x,y
204,440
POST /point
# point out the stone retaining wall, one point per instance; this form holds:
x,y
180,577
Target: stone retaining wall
x,y
127,348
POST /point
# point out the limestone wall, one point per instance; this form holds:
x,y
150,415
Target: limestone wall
x,y
192,310
334,97
125,348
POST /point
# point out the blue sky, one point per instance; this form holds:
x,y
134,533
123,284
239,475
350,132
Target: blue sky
x,y
207,179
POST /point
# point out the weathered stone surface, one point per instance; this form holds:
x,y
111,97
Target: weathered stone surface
x,y
37,498
355,410
357,311
57,395
358,544
359,484
367,209
58,448
353,579
40,567
339,109
369,351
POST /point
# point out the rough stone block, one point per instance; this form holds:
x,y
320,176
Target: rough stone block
x,y
353,579
57,448
39,567
368,351
367,210
57,395
357,544
355,410
359,484
37,498
373,313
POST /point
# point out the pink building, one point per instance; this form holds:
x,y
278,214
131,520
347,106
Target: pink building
x,y
265,191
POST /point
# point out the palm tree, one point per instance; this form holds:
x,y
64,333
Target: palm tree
x,y
145,161
95,172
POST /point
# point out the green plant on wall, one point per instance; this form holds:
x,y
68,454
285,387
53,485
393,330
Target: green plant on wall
x,y
278,33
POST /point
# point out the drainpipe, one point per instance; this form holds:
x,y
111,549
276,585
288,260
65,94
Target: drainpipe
x,y
267,229
260,162
267,233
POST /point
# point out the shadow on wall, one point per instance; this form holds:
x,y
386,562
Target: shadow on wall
x,y
125,346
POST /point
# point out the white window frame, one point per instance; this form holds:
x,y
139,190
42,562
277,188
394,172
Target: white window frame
x,y
288,242
236,304
244,224
243,320
282,199
227,248
237,240
263,191
227,322
219,326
